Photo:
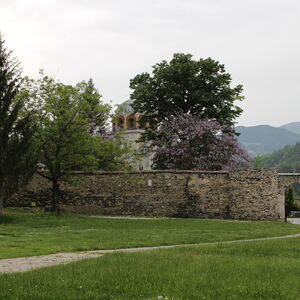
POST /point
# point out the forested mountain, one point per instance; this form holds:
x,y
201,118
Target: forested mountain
x,y
264,139
286,159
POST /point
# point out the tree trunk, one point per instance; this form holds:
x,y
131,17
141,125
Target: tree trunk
x,y
55,196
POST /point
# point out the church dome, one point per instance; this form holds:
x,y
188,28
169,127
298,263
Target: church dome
x,y
126,107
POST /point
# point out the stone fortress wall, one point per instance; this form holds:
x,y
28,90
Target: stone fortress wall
x,y
247,194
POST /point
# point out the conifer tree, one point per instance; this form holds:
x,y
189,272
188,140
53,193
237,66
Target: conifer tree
x,y
16,130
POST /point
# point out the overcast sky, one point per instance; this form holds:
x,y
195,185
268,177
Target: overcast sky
x,y
112,41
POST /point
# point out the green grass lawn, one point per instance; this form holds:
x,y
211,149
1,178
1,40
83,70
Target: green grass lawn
x,y
253,270
42,233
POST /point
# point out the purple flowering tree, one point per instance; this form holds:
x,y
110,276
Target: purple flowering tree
x,y
189,143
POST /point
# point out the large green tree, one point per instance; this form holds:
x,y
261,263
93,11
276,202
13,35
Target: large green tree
x,y
16,128
71,134
201,88
64,114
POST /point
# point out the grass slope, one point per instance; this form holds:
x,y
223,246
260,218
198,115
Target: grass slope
x,y
42,233
255,270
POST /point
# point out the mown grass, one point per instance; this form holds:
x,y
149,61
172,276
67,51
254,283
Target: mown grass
x,y
43,233
252,270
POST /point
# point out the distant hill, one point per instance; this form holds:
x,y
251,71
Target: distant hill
x,y
293,127
264,139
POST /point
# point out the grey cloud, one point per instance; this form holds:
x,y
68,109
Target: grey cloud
x,y
112,41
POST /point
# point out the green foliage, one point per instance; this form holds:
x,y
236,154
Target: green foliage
x,y
290,204
17,159
183,85
286,160
115,154
64,115
296,189
95,110
71,133
63,129
258,162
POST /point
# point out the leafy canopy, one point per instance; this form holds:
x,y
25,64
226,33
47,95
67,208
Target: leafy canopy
x,y
198,87
64,117
115,154
71,132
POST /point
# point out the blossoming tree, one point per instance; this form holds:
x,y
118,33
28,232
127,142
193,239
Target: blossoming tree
x,y
188,142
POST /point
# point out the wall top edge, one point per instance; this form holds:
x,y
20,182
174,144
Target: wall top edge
x,y
288,174
173,172
149,172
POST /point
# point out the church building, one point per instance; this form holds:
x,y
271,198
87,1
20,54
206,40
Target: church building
x,y
127,121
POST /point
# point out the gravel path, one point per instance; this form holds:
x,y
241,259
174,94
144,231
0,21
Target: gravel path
x,y
293,220
129,218
22,264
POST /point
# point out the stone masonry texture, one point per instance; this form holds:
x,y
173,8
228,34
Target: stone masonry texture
x,y
247,194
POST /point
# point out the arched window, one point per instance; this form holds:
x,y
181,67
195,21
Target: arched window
x,y
131,123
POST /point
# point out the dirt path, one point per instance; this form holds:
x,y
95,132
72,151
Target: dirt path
x,y
22,264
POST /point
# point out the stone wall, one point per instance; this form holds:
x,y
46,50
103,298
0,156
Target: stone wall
x,y
240,194
286,179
